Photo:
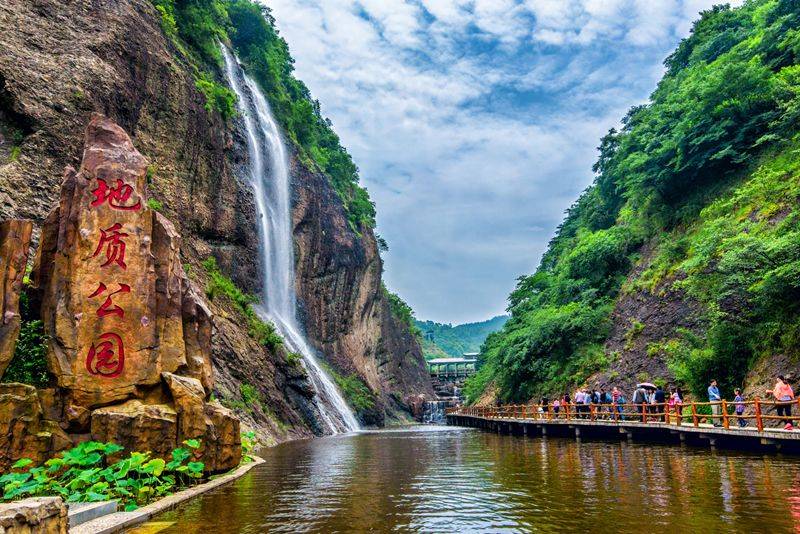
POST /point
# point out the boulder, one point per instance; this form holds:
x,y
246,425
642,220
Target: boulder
x,y
24,433
188,396
42,515
222,443
111,281
137,427
216,427
15,240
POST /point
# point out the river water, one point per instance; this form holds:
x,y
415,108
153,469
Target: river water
x,y
439,479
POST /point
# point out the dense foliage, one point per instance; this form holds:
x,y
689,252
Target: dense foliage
x,y
446,340
29,364
86,474
706,174
250,29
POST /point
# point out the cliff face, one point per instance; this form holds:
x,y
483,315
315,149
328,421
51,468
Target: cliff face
x,y
61,61
344,308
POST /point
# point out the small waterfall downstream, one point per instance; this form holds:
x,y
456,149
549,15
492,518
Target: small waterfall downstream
x,y
434,412
269,174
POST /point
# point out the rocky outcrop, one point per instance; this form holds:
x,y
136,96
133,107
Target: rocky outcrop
x,y
15,241
129,338
40,515
26,431
642,320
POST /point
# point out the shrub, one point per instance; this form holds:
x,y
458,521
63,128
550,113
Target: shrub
x,y
154,204
29,363
401,311
249,394
248,444
218,98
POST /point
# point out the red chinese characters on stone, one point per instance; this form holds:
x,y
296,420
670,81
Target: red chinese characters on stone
x,y
117,197
106,357
111,239
108,307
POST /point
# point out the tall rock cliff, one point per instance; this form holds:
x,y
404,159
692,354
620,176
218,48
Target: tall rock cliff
x,y
62,61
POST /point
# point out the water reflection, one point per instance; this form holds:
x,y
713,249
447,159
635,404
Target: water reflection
x,y
445,480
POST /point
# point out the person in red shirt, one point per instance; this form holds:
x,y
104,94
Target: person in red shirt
x,y
784,395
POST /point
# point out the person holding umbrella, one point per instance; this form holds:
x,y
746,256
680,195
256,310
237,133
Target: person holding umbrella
x,y
641,397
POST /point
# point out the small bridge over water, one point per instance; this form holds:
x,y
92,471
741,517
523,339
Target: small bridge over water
x,y
655,423
453,369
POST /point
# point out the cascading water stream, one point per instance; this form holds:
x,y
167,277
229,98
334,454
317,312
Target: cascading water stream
x,y
269,174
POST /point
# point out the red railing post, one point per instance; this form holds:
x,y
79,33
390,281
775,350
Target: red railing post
x,y
725,422
695,419
759,422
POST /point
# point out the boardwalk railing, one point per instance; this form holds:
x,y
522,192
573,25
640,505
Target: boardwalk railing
x,y
689,413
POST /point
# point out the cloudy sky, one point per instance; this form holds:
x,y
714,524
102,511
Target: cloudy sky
x,y
475,122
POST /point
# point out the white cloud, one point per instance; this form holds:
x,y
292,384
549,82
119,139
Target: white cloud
x,y
475,122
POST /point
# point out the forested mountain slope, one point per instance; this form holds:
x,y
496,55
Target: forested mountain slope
x,y
443,340
682,261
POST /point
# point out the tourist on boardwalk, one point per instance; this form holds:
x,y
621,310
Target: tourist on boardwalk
x,y
659,397
578,403
651,399
616,395
784,395
556,407
588,399
672,401
715,399
620,402
605,398
739,400
640,400
565,402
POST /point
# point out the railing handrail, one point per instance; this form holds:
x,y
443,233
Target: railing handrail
x,y
662,413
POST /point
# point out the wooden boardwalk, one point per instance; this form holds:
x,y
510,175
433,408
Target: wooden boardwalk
x,y
601,423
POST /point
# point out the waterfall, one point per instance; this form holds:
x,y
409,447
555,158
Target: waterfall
x,y
269,174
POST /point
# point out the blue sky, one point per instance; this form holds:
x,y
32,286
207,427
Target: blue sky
x,y
474,122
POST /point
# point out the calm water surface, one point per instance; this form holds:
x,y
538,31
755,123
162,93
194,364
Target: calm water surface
x,y
436,479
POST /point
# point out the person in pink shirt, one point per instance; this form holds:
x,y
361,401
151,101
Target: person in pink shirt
x,y
784,395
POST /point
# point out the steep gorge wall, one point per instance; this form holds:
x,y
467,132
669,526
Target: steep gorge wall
x,y
61,61
344,308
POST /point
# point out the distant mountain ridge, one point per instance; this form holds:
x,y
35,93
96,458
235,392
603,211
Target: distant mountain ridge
x,y
445,340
